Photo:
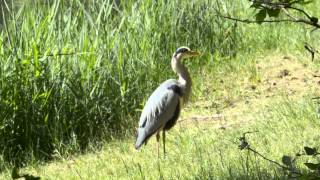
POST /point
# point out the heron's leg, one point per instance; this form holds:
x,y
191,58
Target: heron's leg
x,y
158,142
164,142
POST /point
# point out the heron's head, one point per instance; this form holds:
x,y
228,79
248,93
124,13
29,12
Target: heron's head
x,y
185,52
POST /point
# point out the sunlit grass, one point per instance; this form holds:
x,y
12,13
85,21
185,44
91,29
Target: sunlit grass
x,y
75,75
201,151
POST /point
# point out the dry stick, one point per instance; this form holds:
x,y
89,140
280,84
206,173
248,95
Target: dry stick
x,y
295,19
302,11
64,54
75,169
311,49
245,145
270,21
272,161
69,166
255,21
67,54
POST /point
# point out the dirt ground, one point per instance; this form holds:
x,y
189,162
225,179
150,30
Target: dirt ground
x,y
280,77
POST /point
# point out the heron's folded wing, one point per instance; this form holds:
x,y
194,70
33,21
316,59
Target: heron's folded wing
x,y
159,108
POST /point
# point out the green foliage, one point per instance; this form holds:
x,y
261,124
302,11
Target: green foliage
x,y
310,151
313,166
74,74
272,8
261,15
273,12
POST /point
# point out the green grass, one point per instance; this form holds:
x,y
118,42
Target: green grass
x,y
199,151
55,105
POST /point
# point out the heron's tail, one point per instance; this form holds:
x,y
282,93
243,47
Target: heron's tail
x,y
140,138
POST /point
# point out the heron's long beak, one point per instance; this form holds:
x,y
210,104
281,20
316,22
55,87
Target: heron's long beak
x,y
193,53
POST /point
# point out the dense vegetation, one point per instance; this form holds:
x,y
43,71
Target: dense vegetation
x,y
75,74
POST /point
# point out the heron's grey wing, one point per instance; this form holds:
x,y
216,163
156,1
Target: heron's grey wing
x,y
159,108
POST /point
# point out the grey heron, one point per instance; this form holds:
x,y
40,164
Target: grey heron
x,y
162,109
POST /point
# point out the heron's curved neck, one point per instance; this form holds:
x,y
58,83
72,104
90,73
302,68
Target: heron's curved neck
x,y
184,76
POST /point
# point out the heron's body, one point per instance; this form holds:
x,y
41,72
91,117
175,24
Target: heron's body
x,y
162,109
160,112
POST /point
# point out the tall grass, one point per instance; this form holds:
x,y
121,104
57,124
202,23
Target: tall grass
x,y
75,73
52,102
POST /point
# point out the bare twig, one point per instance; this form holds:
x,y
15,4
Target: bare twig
x,y
75,169
63,54
310,49
270,160
300,10
290,15
310,21
255,21
293,19
245,145
67,54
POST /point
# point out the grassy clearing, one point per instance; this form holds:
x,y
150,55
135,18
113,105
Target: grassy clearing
x,y
53,106
208,148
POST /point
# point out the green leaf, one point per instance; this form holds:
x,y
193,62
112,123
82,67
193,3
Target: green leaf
x,y
255,5
273,12
261,15
15,173
310,151
312,166
25,62
37,74
286,160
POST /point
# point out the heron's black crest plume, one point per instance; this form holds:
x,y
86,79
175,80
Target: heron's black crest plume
x,y
181,50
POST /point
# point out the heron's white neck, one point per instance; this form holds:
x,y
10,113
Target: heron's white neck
x,y
184,76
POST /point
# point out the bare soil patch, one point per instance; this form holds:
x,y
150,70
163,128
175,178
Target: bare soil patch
x,y
280,76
